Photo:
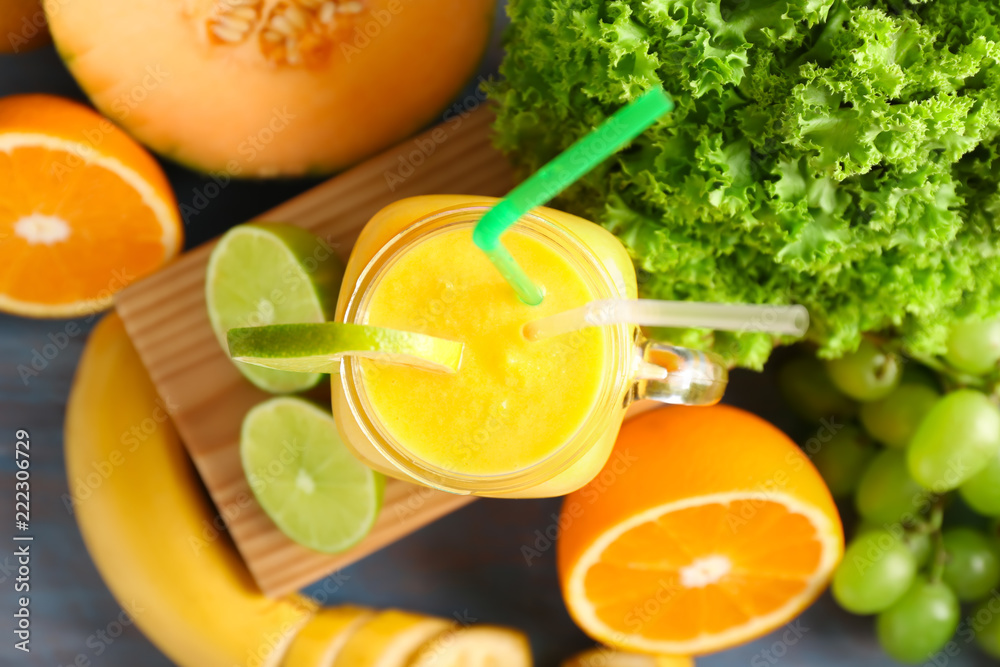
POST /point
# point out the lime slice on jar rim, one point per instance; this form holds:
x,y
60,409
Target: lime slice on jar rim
x,y
319,348
269,273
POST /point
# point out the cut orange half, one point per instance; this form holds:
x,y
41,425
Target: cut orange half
x,y
84,210
707,528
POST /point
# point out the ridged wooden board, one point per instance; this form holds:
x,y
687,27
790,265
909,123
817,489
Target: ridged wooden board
x,y
207,398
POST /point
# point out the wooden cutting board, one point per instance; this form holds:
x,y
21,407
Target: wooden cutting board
x,y
207,397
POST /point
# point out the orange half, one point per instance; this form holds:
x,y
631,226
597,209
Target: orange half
x,y
84,210
708,528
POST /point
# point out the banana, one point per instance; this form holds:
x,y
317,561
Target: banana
x,y
608,657
475,646
394,638
389,639
144,520
319,643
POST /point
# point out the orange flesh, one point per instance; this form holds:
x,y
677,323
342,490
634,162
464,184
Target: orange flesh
x,y
111,229
769,564
74,232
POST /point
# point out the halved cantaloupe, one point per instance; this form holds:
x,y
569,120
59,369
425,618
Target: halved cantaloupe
x,y
22,25
259,88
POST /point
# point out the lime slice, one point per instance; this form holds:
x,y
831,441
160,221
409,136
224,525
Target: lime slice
x,y
318,348
266,273
305,479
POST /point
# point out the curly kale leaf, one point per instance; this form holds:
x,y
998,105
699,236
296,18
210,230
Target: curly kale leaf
x,y
841,154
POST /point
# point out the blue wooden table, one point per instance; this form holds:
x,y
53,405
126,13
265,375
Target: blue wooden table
x,y
469,563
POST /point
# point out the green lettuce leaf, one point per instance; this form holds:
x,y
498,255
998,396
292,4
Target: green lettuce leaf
x,y
841,154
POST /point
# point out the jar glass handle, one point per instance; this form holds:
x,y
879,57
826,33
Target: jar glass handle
x,y
671,374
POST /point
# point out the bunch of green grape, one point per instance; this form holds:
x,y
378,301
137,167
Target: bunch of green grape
x,y
909,445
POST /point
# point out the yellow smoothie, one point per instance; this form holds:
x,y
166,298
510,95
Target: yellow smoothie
x,y
513,402
519,418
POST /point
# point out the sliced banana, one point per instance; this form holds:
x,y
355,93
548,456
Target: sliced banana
x,y
475,646
609,657
390,639
320,642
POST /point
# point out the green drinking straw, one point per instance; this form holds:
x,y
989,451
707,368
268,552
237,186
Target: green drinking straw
x,y
564,170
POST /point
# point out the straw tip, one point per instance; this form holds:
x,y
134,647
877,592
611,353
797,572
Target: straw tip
x,y
668,104
659,95
800,319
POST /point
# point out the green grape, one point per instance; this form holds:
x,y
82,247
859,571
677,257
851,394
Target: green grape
x,y
973,566
956,439
893,419
974,347
867,374
985,622
876,571
807,388
920,623
982,491
887,494
842,459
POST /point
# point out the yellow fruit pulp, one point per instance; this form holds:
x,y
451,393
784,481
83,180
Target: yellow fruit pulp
x,y
519,401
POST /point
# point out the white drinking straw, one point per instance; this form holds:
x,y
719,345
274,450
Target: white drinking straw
x,y
788,320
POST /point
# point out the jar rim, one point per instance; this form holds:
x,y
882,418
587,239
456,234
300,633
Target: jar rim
x,y
619,345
